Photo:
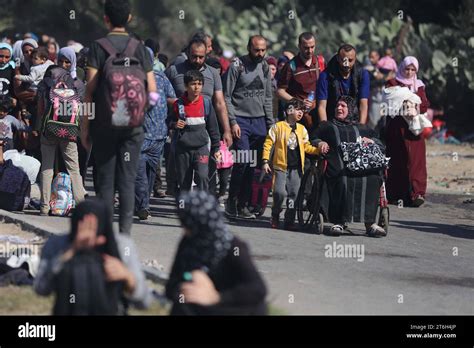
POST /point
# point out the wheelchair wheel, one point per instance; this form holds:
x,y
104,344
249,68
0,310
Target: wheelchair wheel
x,y
304,201
384,218
320,223
308,203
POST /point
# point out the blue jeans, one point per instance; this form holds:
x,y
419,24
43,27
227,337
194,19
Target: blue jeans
x,y
252,136
150,155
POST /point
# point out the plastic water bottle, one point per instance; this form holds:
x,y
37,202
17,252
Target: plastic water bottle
x,y
311,96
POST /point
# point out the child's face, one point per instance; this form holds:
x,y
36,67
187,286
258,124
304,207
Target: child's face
x,y
37,60
194,88
3,113
294,114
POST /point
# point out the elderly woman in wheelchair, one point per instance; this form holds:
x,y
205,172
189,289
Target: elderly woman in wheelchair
x,y
353,175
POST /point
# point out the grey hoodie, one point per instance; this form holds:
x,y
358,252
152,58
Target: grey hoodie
x,y
248,90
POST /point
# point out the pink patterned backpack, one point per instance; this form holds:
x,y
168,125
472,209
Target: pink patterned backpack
x,y
121,95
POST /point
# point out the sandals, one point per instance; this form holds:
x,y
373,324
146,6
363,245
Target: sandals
x,y
375,230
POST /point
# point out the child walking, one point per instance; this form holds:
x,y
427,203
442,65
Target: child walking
x,y
290,142
195,123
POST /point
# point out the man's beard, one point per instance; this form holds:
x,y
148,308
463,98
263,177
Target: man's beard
x,y
257,59
197,66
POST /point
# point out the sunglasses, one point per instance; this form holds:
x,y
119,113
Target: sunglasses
x,y
3,56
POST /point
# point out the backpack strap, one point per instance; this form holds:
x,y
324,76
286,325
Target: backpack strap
x,y
131,47
265,68
107,46
292,64
321,63
207,106
181,112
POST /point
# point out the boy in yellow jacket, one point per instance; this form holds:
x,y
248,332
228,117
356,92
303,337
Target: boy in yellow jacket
x,y
290,142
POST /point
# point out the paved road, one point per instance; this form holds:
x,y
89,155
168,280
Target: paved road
x,y
424,266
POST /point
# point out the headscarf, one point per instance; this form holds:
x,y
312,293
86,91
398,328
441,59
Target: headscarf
x,y
413,83
104,224
209,241
84,274
387,63
272,61
31,42
17,52
282,59
352,116
11,62
69,54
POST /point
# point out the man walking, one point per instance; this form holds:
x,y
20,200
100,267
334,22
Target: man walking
x,y
248,94
117,148
300,75
343,76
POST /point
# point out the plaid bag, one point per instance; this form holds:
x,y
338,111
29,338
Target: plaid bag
x,y
360,157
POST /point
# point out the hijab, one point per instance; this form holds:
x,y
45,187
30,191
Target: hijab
x,y
69,54
352,116
11,62
209,239
84,276
17,52
31,42
104,224
413,84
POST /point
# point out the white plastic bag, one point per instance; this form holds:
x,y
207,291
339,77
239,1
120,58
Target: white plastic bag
x,y
30,165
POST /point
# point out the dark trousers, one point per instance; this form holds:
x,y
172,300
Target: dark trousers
x,y
158,184
116,153
150,155
189,161
171,181
252,136
224,175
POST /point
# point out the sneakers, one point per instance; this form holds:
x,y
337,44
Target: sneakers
x,y
244,213
233,211
221,202
418,201
143,214
231,208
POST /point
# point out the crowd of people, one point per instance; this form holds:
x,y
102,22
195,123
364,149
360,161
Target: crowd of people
x,y
194,110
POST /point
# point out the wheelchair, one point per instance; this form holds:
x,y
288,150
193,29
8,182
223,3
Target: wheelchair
x,y
311,216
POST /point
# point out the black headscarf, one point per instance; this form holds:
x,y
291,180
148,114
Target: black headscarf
x,y
84,276
352,116
210,239
104,226
207,244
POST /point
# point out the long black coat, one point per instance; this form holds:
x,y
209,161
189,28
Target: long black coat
x,y
346,197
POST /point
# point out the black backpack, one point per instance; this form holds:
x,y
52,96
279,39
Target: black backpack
x,y
81,288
